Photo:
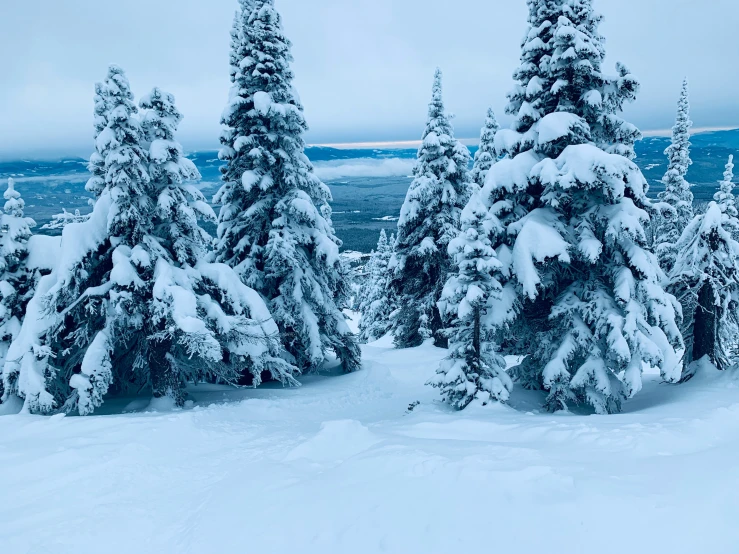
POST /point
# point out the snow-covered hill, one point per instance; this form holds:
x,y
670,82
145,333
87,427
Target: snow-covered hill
x,y
340,466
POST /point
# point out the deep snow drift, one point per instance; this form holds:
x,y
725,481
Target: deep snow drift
x,y
340,466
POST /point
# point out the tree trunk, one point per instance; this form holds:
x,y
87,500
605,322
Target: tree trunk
x,y
437,328
476,342
705,326
164,379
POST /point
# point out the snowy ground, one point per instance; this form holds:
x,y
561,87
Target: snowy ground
x,y
339,466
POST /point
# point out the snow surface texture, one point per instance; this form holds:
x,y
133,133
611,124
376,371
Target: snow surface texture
x,y
339,466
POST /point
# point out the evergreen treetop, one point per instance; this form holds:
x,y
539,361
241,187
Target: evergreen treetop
x,y
486,154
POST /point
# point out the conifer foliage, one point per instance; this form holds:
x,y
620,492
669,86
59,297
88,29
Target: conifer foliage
x,y
579,279
486,154
474,370
429,220
274,226
378,302
677,193
706,278
178,205
16,280
124,308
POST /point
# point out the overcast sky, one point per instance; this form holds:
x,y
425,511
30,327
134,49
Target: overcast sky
x,y
363,67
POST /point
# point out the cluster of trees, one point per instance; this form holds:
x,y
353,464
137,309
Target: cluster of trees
x,y
549,250
546,250
139,297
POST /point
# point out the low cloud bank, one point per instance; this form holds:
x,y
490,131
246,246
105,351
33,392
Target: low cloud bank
x,y
364,167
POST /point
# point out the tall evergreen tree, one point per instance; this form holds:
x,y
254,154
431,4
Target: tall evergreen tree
x,y
274,226
123,308
677,191
706,278
580,282
16,281
378,301
179,205
429,220
486,154
474,371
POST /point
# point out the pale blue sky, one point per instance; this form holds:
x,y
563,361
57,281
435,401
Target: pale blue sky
x,y
363,68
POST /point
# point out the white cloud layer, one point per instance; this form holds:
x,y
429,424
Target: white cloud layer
x,y
364,167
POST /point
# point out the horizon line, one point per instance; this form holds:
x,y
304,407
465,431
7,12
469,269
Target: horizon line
x,y
48,155
407,144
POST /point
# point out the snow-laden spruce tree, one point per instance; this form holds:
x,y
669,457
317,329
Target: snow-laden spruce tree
x,y
474,370
429,220
274,226
486,155
677,191
114,93
16,281
378,302
706,279
582,297
179,205
123,308
178,248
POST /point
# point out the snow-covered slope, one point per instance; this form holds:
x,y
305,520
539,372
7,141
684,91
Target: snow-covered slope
x,y
340,466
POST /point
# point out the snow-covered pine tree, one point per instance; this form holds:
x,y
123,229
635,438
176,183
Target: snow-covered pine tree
x,y
123,307
61,357
706,278
580,283
429,220
513,197
677,193
486,155
179,205
474,370
275,225
16,281
724,196
114,91
378,302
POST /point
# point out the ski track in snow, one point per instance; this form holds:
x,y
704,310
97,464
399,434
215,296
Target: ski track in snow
x,y
340,466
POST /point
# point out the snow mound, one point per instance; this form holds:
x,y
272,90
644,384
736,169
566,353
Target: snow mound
x,y
43,252
336,441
